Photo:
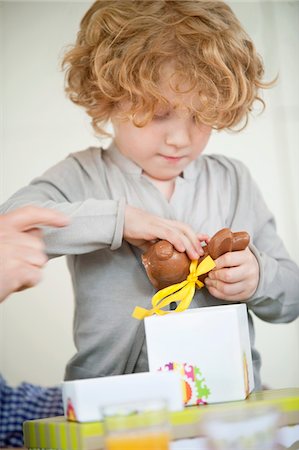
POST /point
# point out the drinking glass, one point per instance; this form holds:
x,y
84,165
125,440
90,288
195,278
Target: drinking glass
x,y
136,426
242,429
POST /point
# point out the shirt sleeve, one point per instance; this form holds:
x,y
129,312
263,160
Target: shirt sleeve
x,y
77,188
25,402
277,296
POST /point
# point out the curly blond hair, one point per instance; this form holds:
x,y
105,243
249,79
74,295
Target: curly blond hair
x,y
123,45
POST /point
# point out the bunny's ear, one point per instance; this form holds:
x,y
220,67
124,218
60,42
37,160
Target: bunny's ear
x,y
220,243
240,240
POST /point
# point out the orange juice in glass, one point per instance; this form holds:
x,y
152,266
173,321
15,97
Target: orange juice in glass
x,y
136,426
144,441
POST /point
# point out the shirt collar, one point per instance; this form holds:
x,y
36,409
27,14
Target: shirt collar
x,y
128,166
124,163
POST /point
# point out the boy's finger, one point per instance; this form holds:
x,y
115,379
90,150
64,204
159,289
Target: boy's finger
x,y
36,232
203,237
29,217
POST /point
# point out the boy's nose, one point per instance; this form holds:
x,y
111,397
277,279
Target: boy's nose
x,y
178,136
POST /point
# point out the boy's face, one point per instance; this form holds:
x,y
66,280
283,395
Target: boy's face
x,y
166,145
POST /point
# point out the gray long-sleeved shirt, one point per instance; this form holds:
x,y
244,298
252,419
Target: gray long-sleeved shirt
x,y
109,280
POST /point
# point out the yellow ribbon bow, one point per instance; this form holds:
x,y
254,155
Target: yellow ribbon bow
x,y
181,292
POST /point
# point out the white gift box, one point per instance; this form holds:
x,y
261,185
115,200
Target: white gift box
x,y
83,399
209,347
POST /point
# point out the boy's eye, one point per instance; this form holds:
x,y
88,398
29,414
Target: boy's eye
x,y
161,116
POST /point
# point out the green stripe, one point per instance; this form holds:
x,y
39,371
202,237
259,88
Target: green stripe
x,y
42,436
63,441
72,437
291,404
32,434
79,438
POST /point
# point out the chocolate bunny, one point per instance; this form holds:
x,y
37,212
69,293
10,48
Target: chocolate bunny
x,y
165,266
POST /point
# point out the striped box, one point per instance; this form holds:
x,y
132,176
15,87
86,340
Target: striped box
x,y
57,433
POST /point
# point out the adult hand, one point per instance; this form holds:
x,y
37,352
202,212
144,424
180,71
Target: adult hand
x,y
22,251
235,276
141,228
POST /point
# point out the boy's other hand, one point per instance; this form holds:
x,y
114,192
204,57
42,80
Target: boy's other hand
x,y
141,228
235,277
22,251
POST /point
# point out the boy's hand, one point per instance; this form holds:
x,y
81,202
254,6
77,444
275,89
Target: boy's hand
x,y
22,251
141,228
235,277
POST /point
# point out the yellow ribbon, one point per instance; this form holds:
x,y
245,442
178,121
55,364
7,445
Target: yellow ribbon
x,y
181,292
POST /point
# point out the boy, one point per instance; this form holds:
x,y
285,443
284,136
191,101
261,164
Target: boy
x,y
164,73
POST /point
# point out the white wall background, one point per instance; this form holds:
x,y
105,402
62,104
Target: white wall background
x,y
39,127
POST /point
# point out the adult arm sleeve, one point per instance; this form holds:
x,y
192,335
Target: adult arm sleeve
x,y
96,221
